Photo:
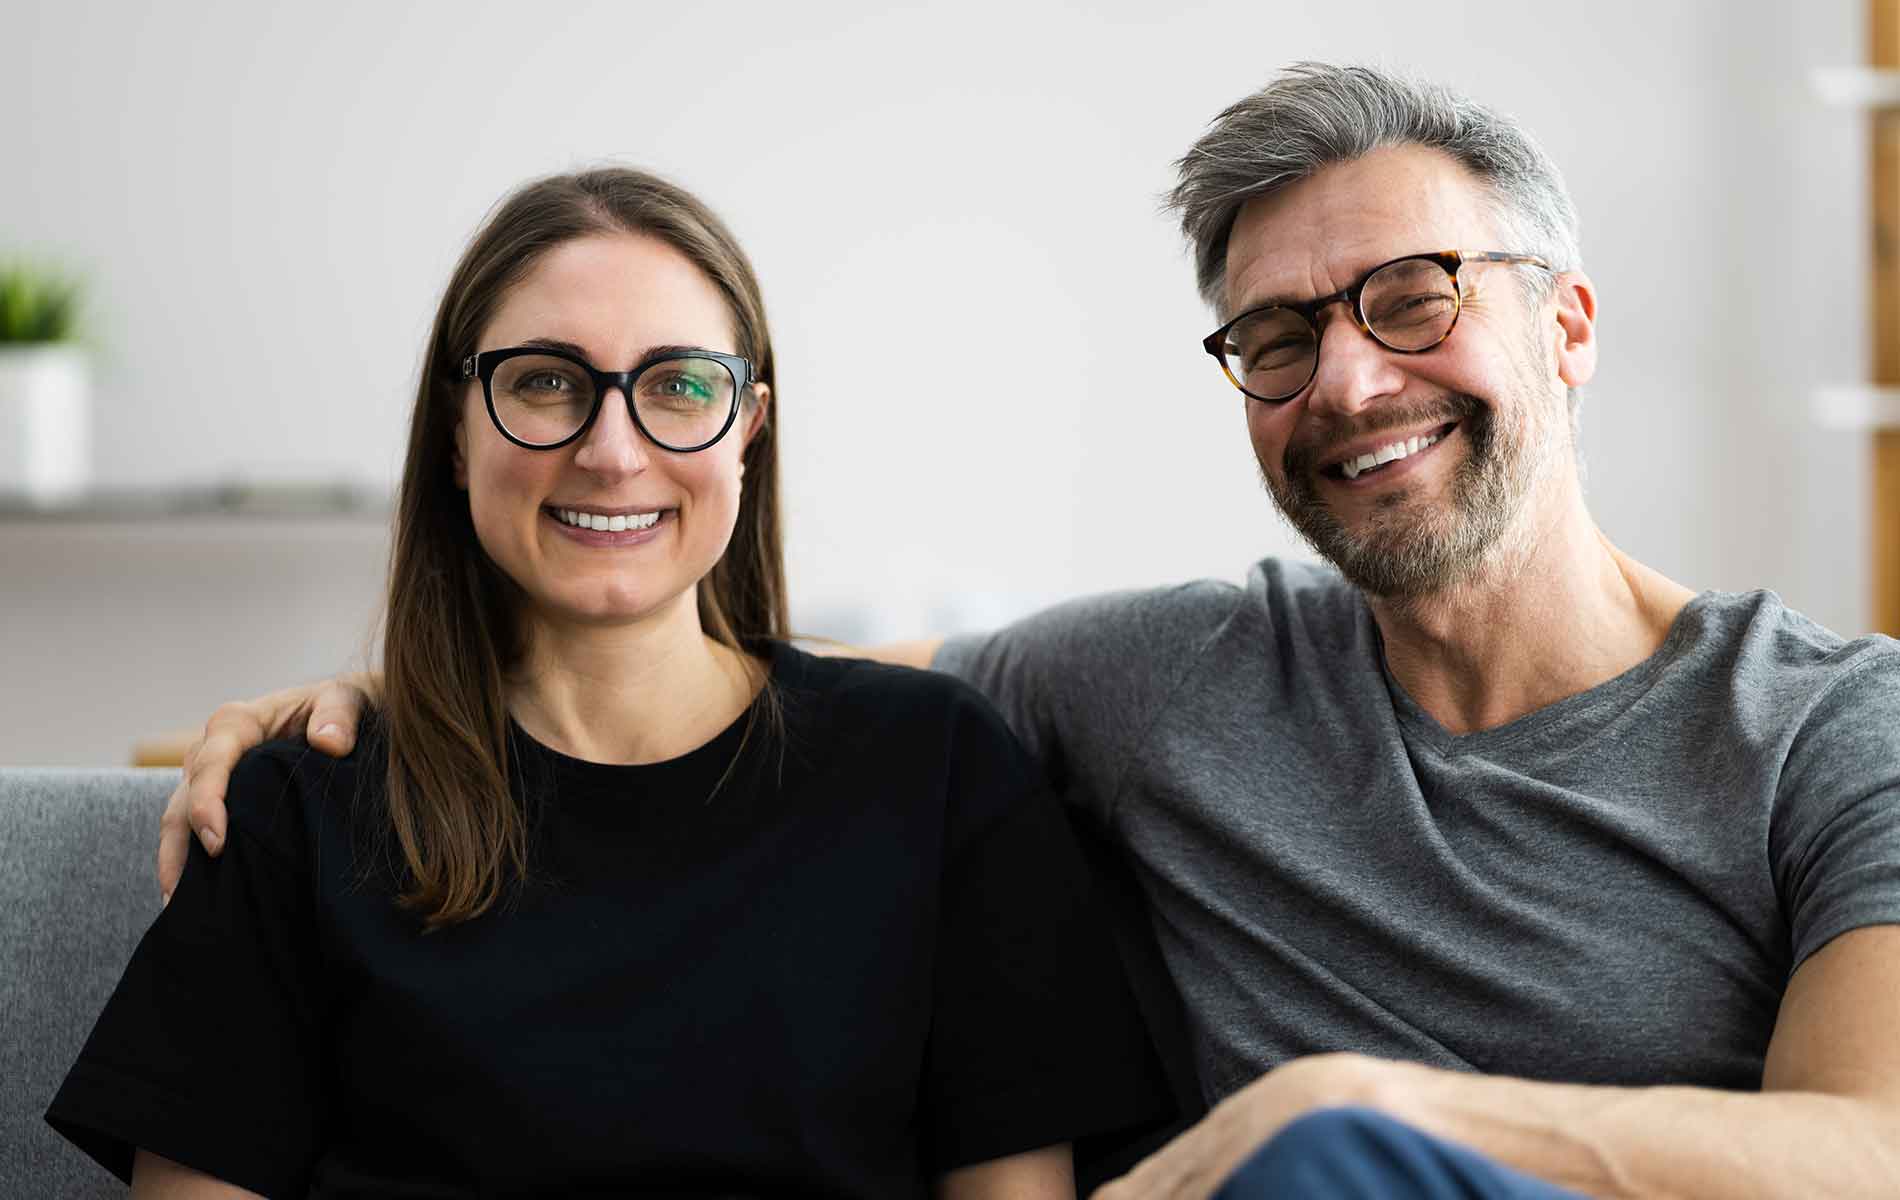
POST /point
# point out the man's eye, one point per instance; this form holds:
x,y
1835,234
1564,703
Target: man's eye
x,y
1414,309
1276,353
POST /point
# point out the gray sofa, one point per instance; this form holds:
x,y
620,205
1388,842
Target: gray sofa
x,y
77,891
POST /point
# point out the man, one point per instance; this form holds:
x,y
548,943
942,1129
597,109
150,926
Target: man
x,y
1487,828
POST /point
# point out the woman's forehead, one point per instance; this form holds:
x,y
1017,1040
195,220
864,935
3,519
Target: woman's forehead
x,y
617,295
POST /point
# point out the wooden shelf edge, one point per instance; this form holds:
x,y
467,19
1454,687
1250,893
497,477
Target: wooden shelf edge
x,y
1859,408
1857,87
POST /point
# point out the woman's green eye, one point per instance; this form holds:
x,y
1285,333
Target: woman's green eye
x,y
680,387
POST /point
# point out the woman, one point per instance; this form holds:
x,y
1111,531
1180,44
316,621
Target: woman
x,y
621,893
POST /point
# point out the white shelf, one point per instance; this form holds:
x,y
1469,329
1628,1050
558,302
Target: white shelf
x,y
1857,409
1858,87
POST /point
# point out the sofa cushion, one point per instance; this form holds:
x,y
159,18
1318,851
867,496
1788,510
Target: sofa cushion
x,y
77,890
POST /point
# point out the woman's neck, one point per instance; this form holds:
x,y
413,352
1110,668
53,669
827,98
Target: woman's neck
x,y
639,693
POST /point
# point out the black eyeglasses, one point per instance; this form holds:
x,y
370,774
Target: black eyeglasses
x,y
1409,305
542,398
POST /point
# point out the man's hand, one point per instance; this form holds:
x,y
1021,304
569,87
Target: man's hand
x,y
325,714
1194,1165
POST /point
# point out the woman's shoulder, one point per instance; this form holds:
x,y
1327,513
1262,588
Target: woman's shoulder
x,y
876,693
282,791
900,721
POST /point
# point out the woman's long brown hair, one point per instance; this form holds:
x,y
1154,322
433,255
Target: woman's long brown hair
x,y
452,630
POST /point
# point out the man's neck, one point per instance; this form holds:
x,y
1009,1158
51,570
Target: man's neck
x,y
638,693
1557,611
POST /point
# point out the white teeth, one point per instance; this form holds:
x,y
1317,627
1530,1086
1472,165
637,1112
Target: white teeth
x,y
1353,468
606,524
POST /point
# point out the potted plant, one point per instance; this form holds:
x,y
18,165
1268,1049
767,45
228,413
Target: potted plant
x,y
45,390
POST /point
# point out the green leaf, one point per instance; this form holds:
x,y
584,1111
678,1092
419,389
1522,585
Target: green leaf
x,y
37,304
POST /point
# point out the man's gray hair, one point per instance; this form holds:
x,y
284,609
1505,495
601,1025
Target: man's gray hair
x,y
1315,114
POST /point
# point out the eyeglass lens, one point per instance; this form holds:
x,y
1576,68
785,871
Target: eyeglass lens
x,y
682,403
1408,305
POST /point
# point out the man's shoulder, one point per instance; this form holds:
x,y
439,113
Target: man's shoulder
x,y
1168,618
1778,661
1758,633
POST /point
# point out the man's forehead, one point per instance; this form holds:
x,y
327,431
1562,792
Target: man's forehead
x,y
1320,234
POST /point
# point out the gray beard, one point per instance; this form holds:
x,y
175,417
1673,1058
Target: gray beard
x,y
1405,550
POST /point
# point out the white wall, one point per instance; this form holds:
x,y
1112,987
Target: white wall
x,y
990,387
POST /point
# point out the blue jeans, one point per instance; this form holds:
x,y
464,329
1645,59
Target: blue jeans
x,y
1358,1154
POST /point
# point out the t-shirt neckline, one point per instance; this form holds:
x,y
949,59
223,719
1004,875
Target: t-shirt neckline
x,y
1613,694
696,771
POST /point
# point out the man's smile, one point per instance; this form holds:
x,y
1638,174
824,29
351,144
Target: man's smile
x,y
1373,455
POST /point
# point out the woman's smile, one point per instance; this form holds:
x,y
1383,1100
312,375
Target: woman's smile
x,y
611,527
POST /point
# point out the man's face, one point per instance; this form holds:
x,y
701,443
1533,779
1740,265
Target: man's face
x,y
1482,415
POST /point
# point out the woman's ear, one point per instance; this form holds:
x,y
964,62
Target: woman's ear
x,y
756,419
461,454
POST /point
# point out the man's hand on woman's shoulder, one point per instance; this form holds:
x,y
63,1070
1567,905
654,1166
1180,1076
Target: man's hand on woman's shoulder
x,y
325,714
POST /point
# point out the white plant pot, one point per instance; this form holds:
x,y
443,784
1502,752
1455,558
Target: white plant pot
x,y
45,422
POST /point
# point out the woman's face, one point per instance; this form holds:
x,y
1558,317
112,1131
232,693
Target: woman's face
x,y
614,297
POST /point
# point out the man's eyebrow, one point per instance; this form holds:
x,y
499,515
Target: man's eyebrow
x,y
1262,302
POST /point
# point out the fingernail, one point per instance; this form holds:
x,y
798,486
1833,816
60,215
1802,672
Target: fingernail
x,y
329,730
164,898
210,839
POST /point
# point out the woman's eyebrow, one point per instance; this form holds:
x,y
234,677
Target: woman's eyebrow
x,y
652,353
555,344
663,351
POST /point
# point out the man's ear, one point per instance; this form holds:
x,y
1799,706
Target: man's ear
x,y
1576,335
461,454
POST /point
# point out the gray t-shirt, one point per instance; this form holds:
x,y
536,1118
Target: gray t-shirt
x,y
1612,889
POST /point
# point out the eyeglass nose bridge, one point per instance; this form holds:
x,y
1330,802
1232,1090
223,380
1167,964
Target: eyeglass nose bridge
x,y
607,383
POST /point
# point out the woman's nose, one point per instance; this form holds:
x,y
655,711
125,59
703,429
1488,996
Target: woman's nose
x,y
613,444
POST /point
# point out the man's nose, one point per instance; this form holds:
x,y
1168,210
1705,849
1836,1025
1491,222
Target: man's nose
x,y
1353,368
613,445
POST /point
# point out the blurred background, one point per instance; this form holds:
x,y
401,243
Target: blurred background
x,y
991,393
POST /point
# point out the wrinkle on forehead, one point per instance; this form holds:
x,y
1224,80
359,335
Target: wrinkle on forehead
x,y
1319,235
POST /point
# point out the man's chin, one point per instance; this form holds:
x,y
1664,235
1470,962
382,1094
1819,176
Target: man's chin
x,y
1403,559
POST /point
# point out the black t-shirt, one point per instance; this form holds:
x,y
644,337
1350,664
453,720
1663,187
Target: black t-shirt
x,y
833,961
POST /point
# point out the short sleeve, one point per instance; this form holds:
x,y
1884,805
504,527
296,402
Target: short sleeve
x,y
1837,819
208,1051
1035,1038
1082,683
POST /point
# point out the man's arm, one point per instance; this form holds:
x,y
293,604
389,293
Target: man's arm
x,y
324,714
157,1178
1044,1174
918,653
1826,1123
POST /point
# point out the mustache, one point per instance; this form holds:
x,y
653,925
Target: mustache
x,y
1323,441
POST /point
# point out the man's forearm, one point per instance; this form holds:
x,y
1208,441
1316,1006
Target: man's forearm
x,y
916,653
1658,1141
